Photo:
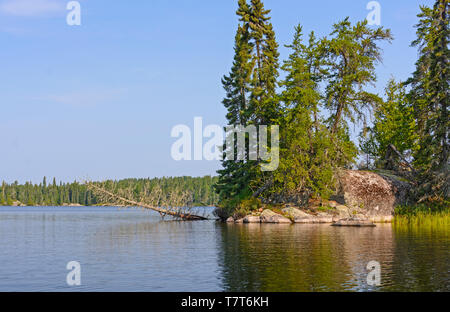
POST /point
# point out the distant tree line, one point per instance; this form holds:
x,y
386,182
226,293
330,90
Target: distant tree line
x,y
57,194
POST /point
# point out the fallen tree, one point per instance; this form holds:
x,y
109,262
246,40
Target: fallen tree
x,y
177,204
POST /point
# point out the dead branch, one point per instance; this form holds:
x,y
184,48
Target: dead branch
x,y
176,204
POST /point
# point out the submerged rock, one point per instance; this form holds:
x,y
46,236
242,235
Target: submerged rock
x,y
354,222
319,219
304,220
252,219
324,218
382,219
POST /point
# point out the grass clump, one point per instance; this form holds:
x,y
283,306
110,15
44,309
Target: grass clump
x,y
438,215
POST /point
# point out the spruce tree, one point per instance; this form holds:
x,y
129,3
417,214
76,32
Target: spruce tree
x,y
394,123
305,167
233,181
429,96
250,97
264,107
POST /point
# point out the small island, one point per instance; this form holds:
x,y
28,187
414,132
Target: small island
x,y
316,96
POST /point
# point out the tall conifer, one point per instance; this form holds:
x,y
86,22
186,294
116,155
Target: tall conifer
x,y
250,96
430,98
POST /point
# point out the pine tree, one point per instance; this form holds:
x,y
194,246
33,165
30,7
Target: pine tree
x,y
351,54
429,96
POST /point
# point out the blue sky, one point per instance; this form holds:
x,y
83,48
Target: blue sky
x,y
99,100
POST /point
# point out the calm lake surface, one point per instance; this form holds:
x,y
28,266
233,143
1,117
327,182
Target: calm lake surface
x,y
132,250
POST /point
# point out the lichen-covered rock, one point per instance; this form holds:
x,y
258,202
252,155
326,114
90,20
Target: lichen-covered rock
x,y
343,211
267,213
268,216
370,194
295,213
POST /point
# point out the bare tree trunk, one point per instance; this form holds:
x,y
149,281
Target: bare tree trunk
x,y
337,118
177,212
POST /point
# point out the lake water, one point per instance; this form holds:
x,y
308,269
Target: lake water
x,y
133,250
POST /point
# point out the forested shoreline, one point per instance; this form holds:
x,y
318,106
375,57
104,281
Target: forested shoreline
x,y
76,193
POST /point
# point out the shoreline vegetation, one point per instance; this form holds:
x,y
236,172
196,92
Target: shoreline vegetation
x,y
422,215
318,211
404,216
253,211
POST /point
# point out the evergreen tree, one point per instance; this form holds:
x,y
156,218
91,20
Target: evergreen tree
x,y
250,97
394,124
233,181
75,193
305,167
351,54
3,194
9,201
368,145
429,96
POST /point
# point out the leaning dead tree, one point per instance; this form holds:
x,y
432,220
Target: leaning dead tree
x,y
394,160
177,204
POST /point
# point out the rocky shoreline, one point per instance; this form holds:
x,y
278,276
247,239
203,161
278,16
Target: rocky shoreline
x,y
341,216
362,198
